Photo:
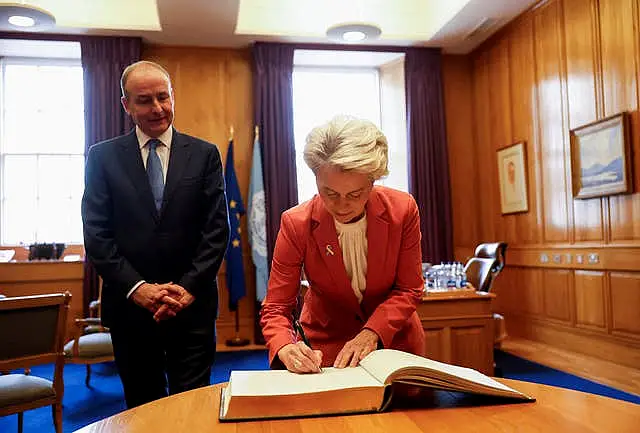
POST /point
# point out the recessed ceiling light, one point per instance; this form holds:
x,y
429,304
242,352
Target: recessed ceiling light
x,y
354,36
22,16
21,21
353,32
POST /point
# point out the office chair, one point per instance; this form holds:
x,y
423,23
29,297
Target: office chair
x,y
478,271
484,268
496,251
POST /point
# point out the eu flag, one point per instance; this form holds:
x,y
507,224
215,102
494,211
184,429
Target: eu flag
x,y
235,266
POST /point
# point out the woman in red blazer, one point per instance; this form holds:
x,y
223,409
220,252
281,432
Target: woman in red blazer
x,y
359,247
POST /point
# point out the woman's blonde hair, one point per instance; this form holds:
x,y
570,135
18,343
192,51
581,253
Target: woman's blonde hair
x,y
349,144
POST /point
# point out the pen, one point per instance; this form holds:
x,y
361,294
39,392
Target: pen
x,y
298,327
300,331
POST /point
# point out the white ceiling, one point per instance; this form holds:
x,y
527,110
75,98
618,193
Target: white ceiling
x,y
237,23
400,20
102,14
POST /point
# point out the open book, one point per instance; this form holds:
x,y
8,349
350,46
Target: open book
x,y
365,388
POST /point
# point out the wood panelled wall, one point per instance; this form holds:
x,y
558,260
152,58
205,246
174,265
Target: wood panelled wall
x,y
213,92
573,266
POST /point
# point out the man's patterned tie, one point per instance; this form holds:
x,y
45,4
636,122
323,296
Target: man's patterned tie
x,y
154,172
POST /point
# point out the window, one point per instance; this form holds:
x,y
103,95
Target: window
x,y
321,92
41,150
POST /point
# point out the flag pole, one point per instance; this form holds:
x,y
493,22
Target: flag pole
x,y
237,341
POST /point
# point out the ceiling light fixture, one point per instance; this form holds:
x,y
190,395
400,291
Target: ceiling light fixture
x,y
22,16
353,32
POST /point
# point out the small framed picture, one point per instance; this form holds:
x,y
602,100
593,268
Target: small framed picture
x,y
512,171
600,161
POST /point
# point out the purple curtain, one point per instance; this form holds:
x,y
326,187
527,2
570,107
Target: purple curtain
x,y
103,60
273,93
428,157
273,102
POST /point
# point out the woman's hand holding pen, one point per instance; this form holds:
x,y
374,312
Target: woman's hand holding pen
x,y
300,358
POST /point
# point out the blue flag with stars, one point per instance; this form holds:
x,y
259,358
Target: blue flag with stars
x,y
235,266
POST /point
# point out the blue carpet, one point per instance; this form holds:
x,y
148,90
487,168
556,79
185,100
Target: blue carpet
x,y
514,367
83,405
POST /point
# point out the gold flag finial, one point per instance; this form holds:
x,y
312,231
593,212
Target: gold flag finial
x,y
256,132
231,133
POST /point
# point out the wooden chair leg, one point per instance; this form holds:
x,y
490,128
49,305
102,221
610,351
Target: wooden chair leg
x,y
56,410
88,377
20,421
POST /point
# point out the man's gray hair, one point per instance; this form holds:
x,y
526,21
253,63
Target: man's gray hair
x,y
141,64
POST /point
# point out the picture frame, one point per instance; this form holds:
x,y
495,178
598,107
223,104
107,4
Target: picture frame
x,y
512,173
600,158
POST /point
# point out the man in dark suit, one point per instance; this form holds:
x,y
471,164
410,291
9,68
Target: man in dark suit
x,y
156,228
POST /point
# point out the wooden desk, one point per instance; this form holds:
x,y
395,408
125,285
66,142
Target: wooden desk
x,y
44,277
556,410
459,329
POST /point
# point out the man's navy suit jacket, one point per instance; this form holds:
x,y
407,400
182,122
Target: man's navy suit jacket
x,y
128,240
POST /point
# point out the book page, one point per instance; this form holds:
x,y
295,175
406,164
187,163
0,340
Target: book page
x,y
283,382
225,399
385,362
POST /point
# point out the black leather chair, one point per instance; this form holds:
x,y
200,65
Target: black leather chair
x,y
478,271
482,270
496,251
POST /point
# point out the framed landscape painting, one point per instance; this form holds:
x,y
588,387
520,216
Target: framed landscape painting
x,y
600,162
513,178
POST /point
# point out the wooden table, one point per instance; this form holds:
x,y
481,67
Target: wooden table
x,y
458,327
556,410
